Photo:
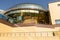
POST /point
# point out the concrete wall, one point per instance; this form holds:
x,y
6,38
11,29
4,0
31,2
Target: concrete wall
x,y
27,33
29,38
54,11
6,28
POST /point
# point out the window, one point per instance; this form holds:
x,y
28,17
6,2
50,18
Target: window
x,y
29,17
15,18
57,21
42,18
58,4
23,16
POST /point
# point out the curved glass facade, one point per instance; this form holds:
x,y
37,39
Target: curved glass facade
x,y
24,16
30,16
27,16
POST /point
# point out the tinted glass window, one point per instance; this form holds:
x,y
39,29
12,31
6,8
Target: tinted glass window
x,y
57,21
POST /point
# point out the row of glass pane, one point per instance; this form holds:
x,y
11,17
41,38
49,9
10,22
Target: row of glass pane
x,y
28,17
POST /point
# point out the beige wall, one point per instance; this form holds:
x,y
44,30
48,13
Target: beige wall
x,y
6,28
29,38
54,11
26,33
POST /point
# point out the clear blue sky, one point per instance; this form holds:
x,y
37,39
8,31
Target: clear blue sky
x,y
5,4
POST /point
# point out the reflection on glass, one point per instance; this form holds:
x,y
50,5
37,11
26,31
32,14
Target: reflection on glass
x,y
14,18
28,17
57,21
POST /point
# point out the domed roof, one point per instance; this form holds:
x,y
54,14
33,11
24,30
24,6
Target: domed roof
x,y
32,6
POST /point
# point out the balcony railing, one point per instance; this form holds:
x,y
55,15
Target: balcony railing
x,y
27,34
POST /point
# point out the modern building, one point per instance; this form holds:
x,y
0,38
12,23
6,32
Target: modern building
x,y
54,9
30,22
22,12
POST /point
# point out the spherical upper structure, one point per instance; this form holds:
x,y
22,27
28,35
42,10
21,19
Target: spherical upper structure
x,y
31,6
26,13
